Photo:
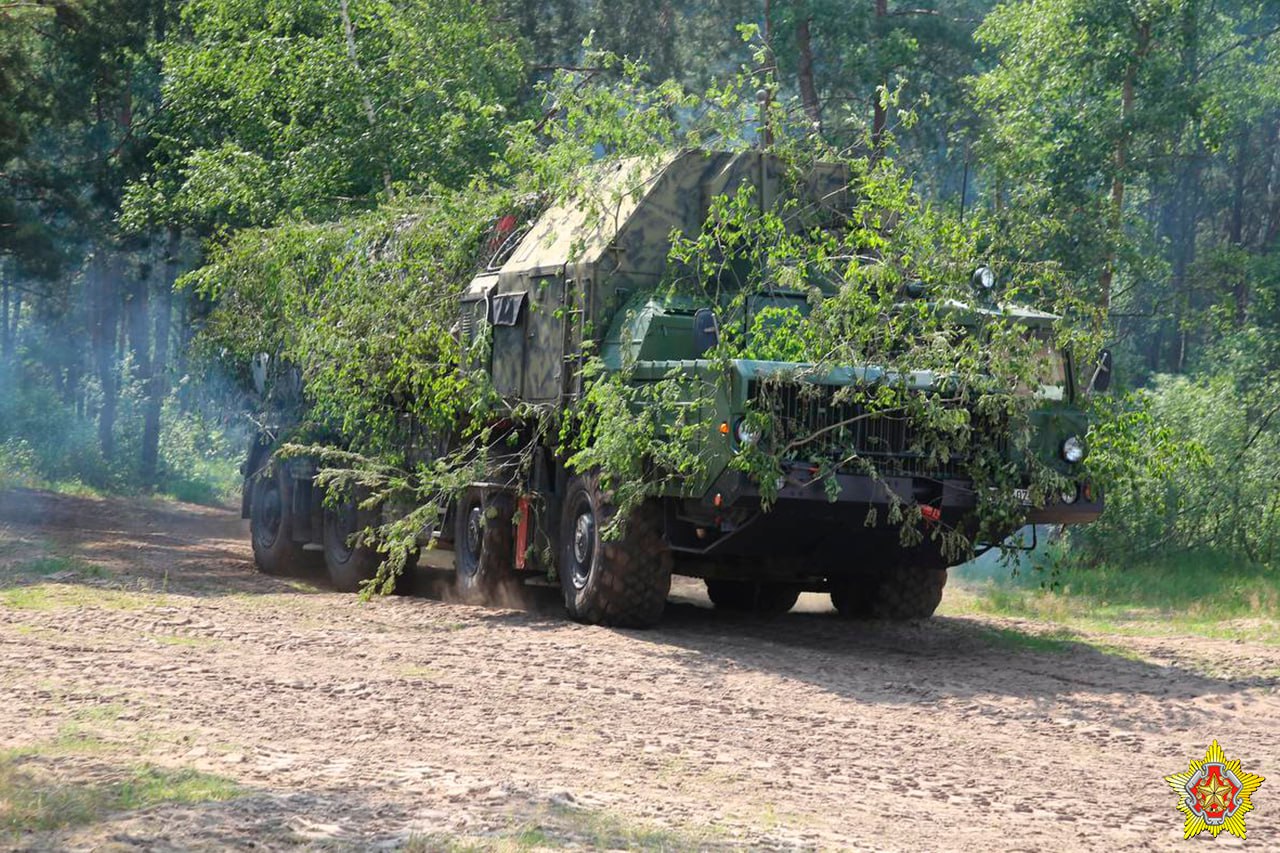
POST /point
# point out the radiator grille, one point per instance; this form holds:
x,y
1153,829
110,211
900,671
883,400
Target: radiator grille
x,y
843,432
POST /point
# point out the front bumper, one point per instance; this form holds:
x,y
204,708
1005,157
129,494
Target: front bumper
x,y
800,483
810,514
1081,512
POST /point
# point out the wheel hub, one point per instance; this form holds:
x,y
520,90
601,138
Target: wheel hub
x,y
271,515
475,532
344,522
584,538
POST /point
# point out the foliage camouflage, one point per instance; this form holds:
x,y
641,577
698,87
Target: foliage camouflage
x,y
130,133
556,338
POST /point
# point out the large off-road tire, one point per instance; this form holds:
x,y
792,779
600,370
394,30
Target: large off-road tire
x,y
271,526
350,562
766,599
483,544
911,590
623,581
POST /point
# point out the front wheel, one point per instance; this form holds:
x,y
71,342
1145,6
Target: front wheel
x,y
621,581
912,590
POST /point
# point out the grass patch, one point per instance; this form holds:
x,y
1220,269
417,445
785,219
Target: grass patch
x,y
559,826
1193,593
74,488
33,799
52,564
190,642
1057,641
196,492
71,740
36,632
56,596
110,712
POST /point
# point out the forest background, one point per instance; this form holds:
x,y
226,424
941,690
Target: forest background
x,y
1132,144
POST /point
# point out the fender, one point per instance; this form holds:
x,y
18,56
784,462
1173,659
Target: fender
x,y
259,452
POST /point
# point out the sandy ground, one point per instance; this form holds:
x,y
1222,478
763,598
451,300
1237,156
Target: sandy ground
x,y
411,720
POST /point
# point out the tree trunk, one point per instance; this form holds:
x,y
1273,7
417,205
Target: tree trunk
x,y
1166,190
139,324
73,359
1235,234
1157,346
349,31
1272,227
158,385
769,78
139,327
808,91
1120,164
879,119
6,345
106,321
1184,245
1117,190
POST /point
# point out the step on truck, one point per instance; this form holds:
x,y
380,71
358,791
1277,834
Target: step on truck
x,y
583,281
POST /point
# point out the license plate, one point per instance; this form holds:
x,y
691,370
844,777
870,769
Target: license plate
x,y
1023,496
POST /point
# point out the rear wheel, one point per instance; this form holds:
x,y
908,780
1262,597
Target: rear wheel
x,y
483,543
351,562
622,581
912,590
767,599
271,526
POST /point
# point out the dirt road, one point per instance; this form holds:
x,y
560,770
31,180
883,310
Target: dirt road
x,y
149,640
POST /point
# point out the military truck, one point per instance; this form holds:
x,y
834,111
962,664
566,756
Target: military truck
x,y
581,280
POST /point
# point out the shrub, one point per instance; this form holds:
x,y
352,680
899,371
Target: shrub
x,y
1190,464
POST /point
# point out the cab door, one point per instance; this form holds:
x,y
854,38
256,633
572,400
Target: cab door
x,y
528,340
544,361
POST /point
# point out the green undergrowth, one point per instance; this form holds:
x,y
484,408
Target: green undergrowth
x,y
35,798
1197,593
215,491
199,463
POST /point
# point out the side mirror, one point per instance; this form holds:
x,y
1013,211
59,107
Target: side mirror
x,y
1101,380
706,331
258,367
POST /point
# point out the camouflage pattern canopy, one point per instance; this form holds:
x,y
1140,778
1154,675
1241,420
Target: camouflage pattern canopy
x,y
579,260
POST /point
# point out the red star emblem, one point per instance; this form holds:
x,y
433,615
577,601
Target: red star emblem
x,y
1215,793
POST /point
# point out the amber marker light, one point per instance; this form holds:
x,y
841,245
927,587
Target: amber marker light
x,y
724,428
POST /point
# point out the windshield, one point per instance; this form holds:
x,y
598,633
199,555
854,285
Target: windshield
x,y
1052,369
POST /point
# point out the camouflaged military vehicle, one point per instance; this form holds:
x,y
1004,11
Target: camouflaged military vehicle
x,y
581,279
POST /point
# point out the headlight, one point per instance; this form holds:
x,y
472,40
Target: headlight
x,y
745,434
1073,449
984,278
